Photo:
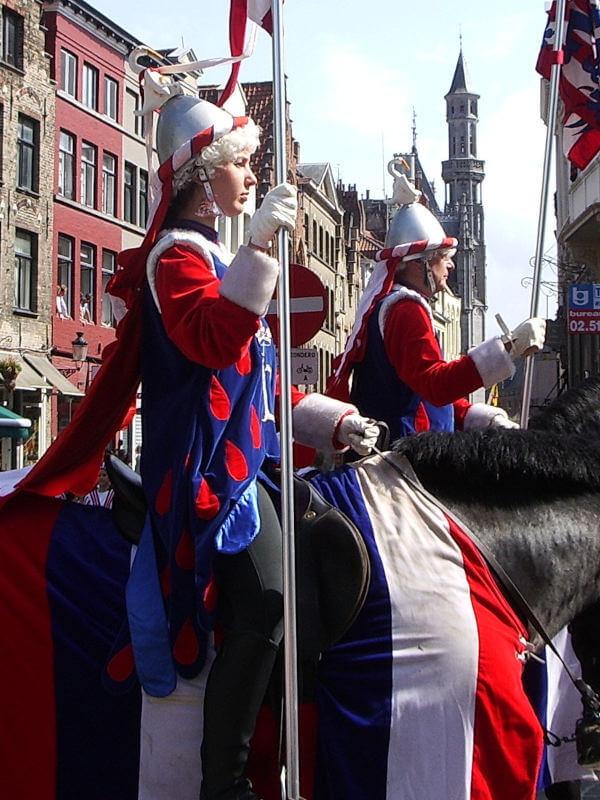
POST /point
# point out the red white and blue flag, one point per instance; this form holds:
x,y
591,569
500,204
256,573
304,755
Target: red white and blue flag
x,y
579,84
258,11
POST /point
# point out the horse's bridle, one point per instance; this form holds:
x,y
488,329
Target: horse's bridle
x,y
590,699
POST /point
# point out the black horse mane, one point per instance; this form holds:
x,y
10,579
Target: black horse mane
x,y
575,411
558,456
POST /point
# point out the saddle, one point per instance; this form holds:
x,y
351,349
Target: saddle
x,y
332,571
332,562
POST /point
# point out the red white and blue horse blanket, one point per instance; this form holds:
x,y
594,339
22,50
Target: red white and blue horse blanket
x,y
423,698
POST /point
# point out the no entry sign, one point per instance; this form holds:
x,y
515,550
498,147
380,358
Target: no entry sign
x,y
308,306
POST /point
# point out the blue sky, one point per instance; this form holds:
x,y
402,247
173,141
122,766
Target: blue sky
x,y
357,69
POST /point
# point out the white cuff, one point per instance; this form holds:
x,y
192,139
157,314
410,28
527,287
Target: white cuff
x,y
250,280
315,419
492,361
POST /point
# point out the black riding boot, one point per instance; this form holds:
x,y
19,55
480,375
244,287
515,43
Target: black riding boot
x,y
235,691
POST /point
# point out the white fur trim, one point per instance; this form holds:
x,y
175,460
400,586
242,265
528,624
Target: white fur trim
x,y
315,419
250,280
492,361
192,239
481,416
400,292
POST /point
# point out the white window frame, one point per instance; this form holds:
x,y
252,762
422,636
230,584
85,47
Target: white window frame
x,y
89,94
88,174
68,72
66,165
109,182
111,97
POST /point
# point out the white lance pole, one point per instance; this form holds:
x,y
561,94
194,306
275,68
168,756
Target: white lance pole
x,y
550,131
292,773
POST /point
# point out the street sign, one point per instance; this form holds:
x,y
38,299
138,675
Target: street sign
x,y
308,306
584,308
305,365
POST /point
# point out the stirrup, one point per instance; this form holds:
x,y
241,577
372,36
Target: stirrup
x,y
587,740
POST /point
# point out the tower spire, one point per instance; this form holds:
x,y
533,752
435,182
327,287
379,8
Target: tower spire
x,y
463,173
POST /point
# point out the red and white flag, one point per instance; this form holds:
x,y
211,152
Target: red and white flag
x,y
258,11
579,84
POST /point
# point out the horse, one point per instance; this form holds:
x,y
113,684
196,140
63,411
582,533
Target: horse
x,y
531,496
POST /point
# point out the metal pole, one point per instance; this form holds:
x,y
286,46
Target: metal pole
x,y
537,272
292,773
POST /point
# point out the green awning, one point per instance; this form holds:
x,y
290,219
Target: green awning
x,y
13,426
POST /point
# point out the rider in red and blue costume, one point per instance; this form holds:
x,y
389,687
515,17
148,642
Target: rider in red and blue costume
x,y
398,370
209,387
190,327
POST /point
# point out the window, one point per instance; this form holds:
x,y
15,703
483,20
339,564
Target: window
x,y
88,174
65,268
27,154
66,165
87,274
109,174
143,206
134,104
25,267
109,262
111,97
129,193
68,72
90,87
12,38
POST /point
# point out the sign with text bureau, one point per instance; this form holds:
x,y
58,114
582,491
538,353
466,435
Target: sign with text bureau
x,y
584,308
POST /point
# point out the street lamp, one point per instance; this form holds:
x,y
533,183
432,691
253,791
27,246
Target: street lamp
x,y
80,348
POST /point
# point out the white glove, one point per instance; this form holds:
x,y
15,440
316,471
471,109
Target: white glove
x,y
277,210
481,416
358,432
527,338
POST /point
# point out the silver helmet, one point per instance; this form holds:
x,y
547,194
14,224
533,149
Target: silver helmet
x,y
182,117
414,223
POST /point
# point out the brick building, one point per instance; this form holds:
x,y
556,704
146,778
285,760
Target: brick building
x,y
88,56
26,224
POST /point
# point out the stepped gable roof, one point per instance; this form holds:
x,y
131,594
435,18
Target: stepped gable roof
x,y
259,97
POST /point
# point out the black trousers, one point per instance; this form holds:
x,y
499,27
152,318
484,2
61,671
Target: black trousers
x,y
251,582
251,613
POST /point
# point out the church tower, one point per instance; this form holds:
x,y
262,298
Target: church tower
x,y
462,217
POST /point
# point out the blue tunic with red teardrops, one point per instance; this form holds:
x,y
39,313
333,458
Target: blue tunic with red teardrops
x,y
206,434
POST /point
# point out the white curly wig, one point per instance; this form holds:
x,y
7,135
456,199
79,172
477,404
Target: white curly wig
x,y
222,151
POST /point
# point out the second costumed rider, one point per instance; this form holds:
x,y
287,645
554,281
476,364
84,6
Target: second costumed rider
x,y
398,371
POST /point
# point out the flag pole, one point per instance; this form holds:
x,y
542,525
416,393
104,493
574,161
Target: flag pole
x,y
292,771
550,131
